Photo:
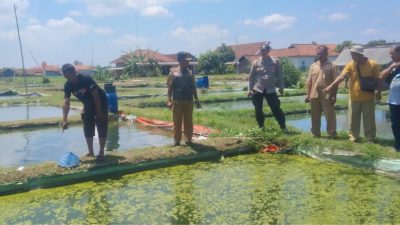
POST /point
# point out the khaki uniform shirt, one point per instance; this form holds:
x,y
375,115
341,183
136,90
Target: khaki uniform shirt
x,y
266,75
321,76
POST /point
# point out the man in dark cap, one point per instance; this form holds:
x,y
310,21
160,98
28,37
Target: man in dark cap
x,y
265,74
95,106
181,93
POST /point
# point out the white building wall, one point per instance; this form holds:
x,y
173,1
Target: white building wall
x,y
306,61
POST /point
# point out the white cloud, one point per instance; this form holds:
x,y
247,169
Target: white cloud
x,y
33,20
67,26
7,11
100,8
129,42
370,31
199,38
104,31
155,11
338,17
274,21
74,13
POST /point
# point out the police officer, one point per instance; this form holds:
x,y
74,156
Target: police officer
x,y
265,74
181,93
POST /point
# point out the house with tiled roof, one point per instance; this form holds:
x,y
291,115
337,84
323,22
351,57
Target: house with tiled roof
x,y
166,62
300,55
303,55
245,54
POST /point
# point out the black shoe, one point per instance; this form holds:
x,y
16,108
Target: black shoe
x,y
177,144
189,143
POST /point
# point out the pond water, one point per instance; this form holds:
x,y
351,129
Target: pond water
x,y
249,105
382,118
11,97
29,112
21,148
249,189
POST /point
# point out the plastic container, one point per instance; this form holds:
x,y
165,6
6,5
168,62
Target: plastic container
x,y
112,102
205,82
112,97
199,83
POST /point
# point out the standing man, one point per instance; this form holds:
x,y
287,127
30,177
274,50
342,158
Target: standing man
x,y
392,76
181,91
265,73
95,107
360,102
322,73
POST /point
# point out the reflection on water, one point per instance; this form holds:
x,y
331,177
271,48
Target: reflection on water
x,y
251,189
35,146
27,112
382,118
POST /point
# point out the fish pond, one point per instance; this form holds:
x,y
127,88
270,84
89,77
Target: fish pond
x,y
30,112
248,189
21,148
382,120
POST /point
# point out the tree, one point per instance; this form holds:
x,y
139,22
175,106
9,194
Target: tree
x,y
226,53
140,65
377,42
345,44
77,62
291,74
213,62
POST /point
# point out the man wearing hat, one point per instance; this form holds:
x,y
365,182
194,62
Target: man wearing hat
x,y
95,106
181,93
265,74
362,101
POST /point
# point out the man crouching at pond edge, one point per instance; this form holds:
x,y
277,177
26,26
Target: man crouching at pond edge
x,y
264,74
181,91
95,110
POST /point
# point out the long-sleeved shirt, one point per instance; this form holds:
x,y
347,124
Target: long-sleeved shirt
x,y
266,75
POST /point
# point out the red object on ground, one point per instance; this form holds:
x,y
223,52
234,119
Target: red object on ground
x,y
271,148
197,129
153,123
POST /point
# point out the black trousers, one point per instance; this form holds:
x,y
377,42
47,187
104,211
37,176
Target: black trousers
x,y
274,104
395,118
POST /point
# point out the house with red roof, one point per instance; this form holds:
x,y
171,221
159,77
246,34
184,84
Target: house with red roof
x,y
165,61
300,55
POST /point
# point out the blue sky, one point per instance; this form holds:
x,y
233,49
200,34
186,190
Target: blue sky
x,y
60,31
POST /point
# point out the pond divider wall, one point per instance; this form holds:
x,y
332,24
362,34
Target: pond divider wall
x,y
113,171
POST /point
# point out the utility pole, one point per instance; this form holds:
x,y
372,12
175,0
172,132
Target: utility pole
x,y
91,69
22,54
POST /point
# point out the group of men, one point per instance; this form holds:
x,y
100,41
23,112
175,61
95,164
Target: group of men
x,y
322,85
265,75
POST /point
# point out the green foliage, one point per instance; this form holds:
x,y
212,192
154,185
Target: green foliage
x,y
291,74
343,45
230,68
213,62
102,74
226,53
377,42
45,80
140,65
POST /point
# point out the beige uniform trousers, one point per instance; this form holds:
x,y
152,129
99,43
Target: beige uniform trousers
x,y
319,105
367,109
182,111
